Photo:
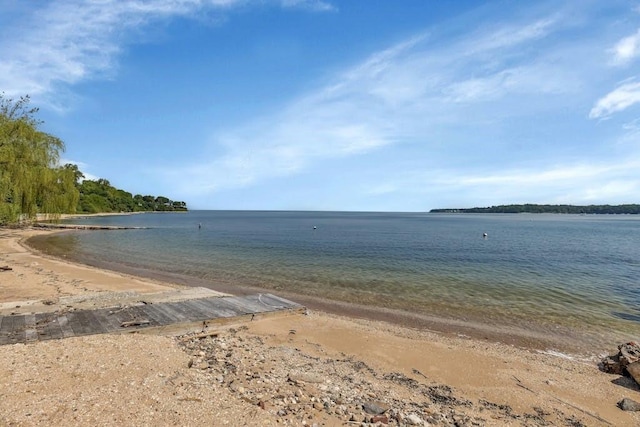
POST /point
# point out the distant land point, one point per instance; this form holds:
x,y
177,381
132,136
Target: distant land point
x,y
559,209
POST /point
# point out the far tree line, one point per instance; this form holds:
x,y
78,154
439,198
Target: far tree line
x,y
32,181
98,196
559,209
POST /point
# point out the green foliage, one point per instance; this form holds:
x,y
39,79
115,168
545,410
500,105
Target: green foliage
x,y
563,209
100,196
30,180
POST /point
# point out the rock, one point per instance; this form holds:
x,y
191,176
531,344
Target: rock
x,y
380,419
627,353
634,370
414,420
611,365
375,408
627,404
304,378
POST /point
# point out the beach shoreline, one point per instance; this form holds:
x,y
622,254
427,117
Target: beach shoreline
x,y
560,340
54,376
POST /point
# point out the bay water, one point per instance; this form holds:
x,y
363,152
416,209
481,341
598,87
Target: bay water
x,y
570,277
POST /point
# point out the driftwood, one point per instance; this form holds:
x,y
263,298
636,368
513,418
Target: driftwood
x,y
134,323
5,268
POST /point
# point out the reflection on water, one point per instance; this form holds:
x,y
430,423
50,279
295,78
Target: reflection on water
x,y
60,245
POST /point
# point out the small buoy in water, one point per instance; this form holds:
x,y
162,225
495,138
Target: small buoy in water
x,y
200,225
484,235
314,227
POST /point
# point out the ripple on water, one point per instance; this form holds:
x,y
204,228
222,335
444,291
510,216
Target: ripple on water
x,y
553,273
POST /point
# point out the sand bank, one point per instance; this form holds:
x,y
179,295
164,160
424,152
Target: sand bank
x,y
290,370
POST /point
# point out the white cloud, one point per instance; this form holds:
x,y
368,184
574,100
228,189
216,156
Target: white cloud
x,y
558,175
481,88
632,126
314,5
509,36
626,49
430,91
584,183
623,97
408,92
65,42
83,167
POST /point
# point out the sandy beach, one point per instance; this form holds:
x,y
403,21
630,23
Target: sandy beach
x,y
313,369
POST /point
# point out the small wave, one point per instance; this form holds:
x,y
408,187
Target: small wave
x,y
586,358
556,353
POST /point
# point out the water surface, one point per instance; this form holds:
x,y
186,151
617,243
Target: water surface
x,y
568,276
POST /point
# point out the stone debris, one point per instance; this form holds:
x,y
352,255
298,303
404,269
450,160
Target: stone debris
x,y
633,369
299,388
627,404
628,355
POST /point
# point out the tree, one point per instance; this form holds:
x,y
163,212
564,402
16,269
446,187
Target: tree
x,y
78,176
30,179
100,196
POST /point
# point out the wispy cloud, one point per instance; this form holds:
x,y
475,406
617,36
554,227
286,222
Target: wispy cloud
x,y
558,176
510,35
445,99
408,92
314,5
62,43
621,98
627,49
581,183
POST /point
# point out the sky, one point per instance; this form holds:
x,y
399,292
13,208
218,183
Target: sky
x,y
339,105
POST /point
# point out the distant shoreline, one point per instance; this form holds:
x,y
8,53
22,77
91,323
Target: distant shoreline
x,y
626,209
49,217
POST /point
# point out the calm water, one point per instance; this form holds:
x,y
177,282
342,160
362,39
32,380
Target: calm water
x,y
557,274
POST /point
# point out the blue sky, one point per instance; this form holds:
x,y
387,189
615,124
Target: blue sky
x,y
337,105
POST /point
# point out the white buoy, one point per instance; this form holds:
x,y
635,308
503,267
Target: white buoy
x,y
484,235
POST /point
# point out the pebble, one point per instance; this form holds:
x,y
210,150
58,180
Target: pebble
x,y
375,407
414,420
296,387
627,404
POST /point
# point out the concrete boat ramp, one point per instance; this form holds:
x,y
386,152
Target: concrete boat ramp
x,y
173,312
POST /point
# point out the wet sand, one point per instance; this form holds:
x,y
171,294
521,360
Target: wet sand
x,y
127,379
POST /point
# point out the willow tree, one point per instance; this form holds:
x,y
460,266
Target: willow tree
x,y
31,181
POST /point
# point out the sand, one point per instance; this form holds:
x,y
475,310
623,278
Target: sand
x,y
309,369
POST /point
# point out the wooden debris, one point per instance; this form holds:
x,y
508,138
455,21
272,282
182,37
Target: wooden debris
x,y
134,323
5,268
197,315
200,336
